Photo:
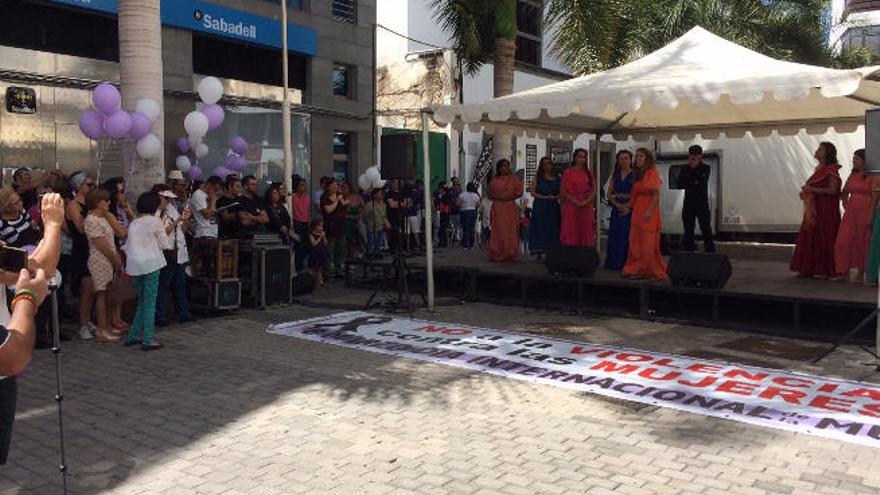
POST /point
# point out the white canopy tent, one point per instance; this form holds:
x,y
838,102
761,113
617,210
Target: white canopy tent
x,y
697,84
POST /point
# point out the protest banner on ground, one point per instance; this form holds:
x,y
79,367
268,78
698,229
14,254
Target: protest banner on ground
x,y
839,409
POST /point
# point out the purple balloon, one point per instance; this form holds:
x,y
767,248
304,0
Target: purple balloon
x,y
230,162
215,115
183,145
194,172
106,98
118,124
91,123
222,172
239,145
240,163
141,125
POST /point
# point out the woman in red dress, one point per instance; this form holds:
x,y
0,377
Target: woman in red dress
x,y
814,252
577,192
504,190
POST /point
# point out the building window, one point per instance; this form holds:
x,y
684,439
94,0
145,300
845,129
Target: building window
x,y
868,36
341,155
342,81
345,10
528,36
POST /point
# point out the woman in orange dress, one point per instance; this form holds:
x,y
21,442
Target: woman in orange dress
x,y
577,193
504,190
644,260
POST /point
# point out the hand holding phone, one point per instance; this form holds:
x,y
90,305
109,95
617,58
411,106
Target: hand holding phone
x,y
13,259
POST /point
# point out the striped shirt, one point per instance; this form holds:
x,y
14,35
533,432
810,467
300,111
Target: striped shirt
x,y
18,232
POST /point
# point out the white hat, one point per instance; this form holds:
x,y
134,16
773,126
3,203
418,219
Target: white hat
x,y
175,175
168,194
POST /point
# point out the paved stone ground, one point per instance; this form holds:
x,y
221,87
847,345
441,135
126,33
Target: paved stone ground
x,y
228,408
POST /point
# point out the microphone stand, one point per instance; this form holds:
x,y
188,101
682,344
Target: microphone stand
x,y
59,396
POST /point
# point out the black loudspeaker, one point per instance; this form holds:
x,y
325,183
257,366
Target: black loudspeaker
x,y
572,260
303,283
704,271
215,294
398,156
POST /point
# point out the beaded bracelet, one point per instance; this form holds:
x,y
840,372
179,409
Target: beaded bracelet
x,y
23,297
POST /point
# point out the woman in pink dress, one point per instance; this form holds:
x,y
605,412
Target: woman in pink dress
x,y
577,193
854,236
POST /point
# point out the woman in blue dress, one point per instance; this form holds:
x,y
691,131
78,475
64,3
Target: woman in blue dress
x,y
621,213
544,225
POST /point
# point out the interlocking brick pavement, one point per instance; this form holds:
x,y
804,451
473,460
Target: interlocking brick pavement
x,y
227,408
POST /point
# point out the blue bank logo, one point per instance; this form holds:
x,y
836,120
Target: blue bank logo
x,y
220,25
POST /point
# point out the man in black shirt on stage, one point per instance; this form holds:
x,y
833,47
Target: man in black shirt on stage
x,y
694,179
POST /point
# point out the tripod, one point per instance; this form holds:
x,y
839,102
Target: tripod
x,y
55,283
402,271
843,340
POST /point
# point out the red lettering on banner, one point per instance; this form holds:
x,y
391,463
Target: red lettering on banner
x,y
739,388
705,382
612,367
444,330
793,382
826,402
634,358
790,396
666,362
649,374
704,368
828,387
580,350
863,392
871,410
755,377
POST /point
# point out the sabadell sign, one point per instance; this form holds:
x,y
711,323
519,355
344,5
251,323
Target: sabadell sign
x,y
219,21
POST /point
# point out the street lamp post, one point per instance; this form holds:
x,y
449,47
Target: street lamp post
x,y
285,105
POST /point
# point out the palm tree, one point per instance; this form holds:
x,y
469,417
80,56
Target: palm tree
x,y
484,31
597,35
140,68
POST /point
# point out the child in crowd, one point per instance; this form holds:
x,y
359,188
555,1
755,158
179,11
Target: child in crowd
x,y
376,222
524,220
318,253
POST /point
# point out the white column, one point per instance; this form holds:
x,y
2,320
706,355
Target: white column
x,y
429,233
285,106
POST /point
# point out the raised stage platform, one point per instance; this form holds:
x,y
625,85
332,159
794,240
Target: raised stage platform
x,y
762,294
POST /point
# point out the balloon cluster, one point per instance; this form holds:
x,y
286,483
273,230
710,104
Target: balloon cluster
x,y
197,124
111,121
371,179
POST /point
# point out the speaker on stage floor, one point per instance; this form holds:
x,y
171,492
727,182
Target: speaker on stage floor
x,y
699,270
572,260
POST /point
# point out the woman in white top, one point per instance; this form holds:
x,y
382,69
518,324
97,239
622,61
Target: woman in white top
x,y
467,203
146,238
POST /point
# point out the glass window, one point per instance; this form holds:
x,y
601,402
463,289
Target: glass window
x,y
262,129
528,36
341,81
674,172
345,10
341,155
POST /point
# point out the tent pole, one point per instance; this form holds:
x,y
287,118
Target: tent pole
x,y
597,167
429,233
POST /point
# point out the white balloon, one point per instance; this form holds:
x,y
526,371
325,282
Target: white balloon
x,y
379,184
210,90
149,146
363,182
373,174
148,107
194,142
196,124
183,163
202,150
